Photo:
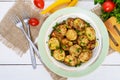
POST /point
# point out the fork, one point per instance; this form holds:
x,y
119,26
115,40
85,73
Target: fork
x,y
20,25
25,19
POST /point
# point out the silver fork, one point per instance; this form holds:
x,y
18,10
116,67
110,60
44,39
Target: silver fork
x,y
97,10
25,19
20,25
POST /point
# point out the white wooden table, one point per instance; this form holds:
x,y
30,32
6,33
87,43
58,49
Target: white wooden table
x,y
13,67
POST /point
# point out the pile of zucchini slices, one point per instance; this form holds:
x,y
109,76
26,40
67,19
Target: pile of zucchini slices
x,y
72,41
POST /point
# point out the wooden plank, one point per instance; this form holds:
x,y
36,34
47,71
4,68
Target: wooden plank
x,y
102,73
8,56
112,59
25,72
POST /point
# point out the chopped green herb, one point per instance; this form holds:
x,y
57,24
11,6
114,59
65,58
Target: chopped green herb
x,y
77,31
78,49
64,46
81,33
70,60
61,51
57,47
49,45
89,35
87,24
56,25
47,42
51,53
82,43
78,64
58,30
64,21
67,26
49,36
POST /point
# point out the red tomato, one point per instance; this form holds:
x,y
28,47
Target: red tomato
x,y
39,3
108,6
108,0
33,22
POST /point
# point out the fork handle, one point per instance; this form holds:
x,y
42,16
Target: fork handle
x,y
33,60
34,47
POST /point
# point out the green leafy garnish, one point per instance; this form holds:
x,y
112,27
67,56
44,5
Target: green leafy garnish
x,y
87,24
78,64
57,47
49,45
70,60
67,26
51,53
89,35
115,12
56,25
61,51
77,31
78,49
98,1
58,30
64,46
49,36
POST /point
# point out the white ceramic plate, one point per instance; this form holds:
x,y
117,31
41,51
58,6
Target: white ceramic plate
x,y
94,62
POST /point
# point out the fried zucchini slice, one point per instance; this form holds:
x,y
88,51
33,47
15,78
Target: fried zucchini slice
x,y
65,43
79,24
59,54
75,50
70,60
90,32
57,35
84,56
83,40
71,34
91,45
70,22
62,29
53,43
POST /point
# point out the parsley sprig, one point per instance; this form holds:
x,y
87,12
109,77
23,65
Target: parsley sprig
x,y
115,12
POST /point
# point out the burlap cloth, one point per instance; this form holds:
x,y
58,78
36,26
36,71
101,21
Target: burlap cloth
x,y
12,37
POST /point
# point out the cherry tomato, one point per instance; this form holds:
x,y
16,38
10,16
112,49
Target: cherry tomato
x,y
33,22
108,6
108,0
39,3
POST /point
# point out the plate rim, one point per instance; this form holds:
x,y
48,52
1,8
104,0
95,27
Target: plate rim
x,y
56,69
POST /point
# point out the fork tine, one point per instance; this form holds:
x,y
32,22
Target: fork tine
x,y
17,19
13,18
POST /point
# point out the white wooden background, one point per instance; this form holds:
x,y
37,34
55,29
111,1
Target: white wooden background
x,y
13,67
